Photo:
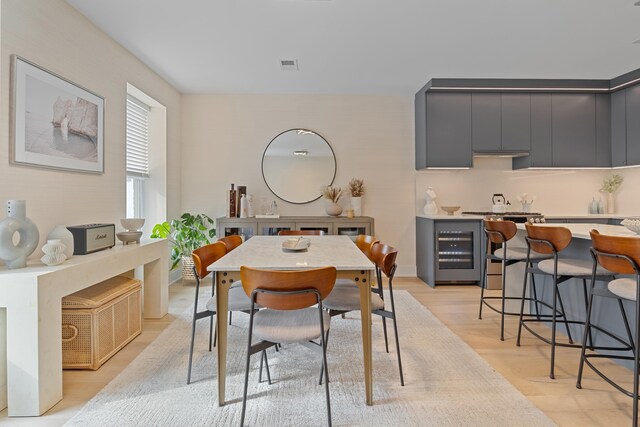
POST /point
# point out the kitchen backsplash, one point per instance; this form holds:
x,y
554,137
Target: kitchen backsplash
x,y
557,192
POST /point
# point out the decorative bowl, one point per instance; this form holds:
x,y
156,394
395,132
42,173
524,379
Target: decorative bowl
x,y
127,237
296,244
632,224
449,209
132,224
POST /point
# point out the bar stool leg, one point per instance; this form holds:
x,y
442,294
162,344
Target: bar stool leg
x,y
482,286
535,293
636,359
586,306
524,294
564,316
553,329
504,272
587,331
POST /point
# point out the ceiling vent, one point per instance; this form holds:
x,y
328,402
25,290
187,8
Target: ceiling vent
x,y
289,64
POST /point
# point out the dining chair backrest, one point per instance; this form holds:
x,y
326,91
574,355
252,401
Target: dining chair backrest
x,y
206,255
364,242
557,237
384,257
231,242
283,285
499,231
301,233
610,251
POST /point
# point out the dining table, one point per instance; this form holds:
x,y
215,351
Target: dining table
x,y
267,252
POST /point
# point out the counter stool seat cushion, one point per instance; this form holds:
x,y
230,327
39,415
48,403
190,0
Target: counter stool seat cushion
x,y
624,288
572,267
347,298
519,254
238,301
289,326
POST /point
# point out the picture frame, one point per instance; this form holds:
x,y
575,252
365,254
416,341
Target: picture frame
x,y
55,123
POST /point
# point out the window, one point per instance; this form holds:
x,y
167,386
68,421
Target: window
x,y
137,155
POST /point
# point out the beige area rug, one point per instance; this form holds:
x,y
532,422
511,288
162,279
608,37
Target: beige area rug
x,y
447,383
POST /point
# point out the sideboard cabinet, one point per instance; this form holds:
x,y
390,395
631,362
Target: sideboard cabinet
x,y
248,227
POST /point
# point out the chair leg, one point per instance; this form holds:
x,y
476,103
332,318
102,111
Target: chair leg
x,y
626,324
230,316
263,358
483,284
536,304
384,328
587,332
524,294
395,330
210,332
215,332
324,363
246,370
504,272
322,366
193,336
553,329
586,307
636,357
564,315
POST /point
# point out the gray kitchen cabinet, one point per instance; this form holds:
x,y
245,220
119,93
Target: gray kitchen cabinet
x,y
541,153
603,130
448,251
516,122
573,126
633,125
619,128
420,106
448,130
248,227
486,122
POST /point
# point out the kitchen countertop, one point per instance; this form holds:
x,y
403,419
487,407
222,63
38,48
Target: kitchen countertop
x,y
457,217
581,230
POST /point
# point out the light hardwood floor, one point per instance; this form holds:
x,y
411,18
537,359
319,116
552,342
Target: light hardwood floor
x,y
526,367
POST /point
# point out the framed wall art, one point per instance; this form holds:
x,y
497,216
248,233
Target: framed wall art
x,y
55,123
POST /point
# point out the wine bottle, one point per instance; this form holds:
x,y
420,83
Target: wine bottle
x,y
232,202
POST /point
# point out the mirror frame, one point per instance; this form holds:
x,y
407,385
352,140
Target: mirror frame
x,y
335,165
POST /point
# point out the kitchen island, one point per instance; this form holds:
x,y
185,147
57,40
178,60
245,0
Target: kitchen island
x,y
606,313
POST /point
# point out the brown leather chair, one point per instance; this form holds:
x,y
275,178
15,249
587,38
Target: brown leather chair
x,y
231,242
203,257
347,298
364,242
500,233
301,233
619,255
551,240
288,316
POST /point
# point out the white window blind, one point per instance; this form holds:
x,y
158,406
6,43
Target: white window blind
x,y
137,138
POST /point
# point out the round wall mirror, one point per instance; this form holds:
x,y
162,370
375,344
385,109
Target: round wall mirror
x,y
296,165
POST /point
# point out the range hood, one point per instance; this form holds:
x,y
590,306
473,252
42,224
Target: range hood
x,y
501,154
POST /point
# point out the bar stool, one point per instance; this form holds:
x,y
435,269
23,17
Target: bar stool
x,y
551,240
500,232
620,255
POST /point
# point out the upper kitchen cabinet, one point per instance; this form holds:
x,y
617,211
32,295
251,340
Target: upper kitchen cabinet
x,y
633,125
500,122
573,127
516,122
619,128
444,141
541,153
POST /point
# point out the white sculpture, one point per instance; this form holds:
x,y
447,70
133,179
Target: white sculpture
x,y
430,207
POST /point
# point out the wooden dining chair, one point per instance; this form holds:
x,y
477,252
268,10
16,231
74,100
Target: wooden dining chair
x,y
364,242
231,242
203,257
289,315
347,298
620,255
301,233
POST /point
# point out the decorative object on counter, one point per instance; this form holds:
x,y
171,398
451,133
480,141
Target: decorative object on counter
x,y
62,233
250,210
499,203
349,213
132,233
430,207
13,254
89,238
356,188
450,210
333,196
242,191
632,224
297,244
243,206
54,252
526,202
610,185
231,202
185,235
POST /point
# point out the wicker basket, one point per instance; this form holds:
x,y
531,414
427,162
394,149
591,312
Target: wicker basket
x,y
187,268
100,320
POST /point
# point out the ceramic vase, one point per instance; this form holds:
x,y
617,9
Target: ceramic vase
x,y
14,254
61,232
611,204
54,252
356,205
333,209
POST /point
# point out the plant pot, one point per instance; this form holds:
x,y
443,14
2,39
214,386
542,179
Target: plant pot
x,y
333,209
187,268
356,205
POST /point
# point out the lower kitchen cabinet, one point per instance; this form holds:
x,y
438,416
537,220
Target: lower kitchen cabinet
x,y
248,227
448,251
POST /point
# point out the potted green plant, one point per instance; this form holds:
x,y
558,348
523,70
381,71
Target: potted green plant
x,y
185,234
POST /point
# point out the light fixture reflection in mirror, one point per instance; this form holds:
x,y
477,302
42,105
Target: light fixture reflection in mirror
x,y
296,165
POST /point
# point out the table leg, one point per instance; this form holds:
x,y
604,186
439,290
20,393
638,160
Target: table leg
x,y
365,310
222,300
156,287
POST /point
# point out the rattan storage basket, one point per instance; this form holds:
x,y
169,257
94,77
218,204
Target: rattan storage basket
x,y
98,321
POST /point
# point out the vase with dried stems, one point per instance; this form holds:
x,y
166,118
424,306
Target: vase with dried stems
x,y
356,188
610,185
333,196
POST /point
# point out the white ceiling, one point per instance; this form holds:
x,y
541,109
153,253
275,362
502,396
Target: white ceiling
x,y
369,46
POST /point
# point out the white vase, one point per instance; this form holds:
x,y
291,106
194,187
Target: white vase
x,y
356,205
54,252
62,233
13,254
333,209
611,204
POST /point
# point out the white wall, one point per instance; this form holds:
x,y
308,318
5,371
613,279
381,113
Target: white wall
x,y
224,137
558,192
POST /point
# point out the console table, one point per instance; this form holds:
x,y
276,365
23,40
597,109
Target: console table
x,y
339,225
31,298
